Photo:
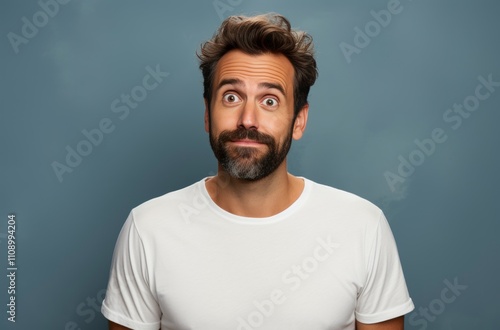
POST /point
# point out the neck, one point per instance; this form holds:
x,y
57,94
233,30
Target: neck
x,y
257,199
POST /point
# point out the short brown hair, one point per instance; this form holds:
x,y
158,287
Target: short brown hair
x,y
269,33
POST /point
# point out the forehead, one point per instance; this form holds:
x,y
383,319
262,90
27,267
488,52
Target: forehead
x,y
268,67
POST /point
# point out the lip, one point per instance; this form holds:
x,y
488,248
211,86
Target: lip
x,y
246,142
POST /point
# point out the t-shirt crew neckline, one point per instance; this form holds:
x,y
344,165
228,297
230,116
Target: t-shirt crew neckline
x,y
256,221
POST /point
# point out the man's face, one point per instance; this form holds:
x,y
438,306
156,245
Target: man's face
x,y
251,121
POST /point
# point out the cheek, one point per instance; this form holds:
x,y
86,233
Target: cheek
x,y
280,129
222,122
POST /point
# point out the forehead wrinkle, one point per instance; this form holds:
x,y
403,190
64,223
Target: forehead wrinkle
x,y
261,72
235,65
267,68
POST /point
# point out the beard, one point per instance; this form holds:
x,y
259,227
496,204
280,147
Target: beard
x,y
246,163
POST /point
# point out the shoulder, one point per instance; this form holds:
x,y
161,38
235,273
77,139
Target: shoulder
x,y
167,206
342,201
357,220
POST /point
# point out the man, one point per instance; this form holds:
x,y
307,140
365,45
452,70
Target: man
x,y
255,247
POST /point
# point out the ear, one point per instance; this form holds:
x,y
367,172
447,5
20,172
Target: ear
x,y
207,118
300,122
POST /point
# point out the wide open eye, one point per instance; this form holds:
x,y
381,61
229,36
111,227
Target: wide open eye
x,y
270,102
231,98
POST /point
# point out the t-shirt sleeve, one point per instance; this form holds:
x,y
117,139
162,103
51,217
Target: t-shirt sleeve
x,y
130,301
384,295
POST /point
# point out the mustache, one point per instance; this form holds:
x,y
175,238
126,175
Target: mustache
x,y
243,133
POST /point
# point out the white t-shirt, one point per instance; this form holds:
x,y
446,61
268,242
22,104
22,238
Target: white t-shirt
x,y
182,262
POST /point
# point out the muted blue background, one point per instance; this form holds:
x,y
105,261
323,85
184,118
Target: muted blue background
x,y
364,114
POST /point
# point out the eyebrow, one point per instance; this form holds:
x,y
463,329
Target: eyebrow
x,y
239,82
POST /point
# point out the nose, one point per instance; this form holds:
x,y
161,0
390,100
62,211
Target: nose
x,y
248,116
